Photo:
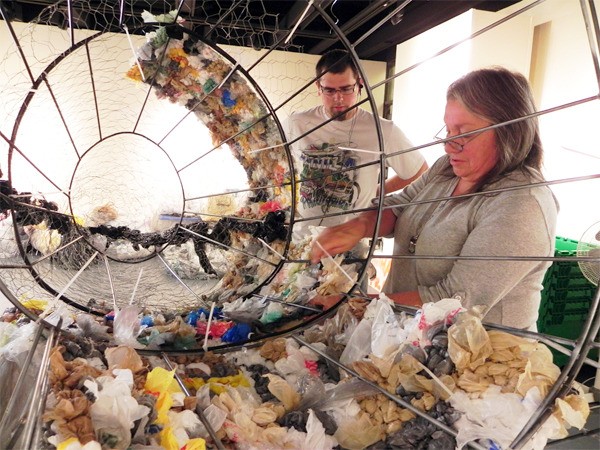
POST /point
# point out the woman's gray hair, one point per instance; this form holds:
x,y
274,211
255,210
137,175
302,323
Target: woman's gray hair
x,y
498,95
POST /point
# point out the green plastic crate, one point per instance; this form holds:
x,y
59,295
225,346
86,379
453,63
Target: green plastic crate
x,y
566,298
567,244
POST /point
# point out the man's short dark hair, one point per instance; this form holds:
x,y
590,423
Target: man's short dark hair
x,y
336,61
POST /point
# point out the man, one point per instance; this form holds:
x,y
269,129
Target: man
x,y
325,157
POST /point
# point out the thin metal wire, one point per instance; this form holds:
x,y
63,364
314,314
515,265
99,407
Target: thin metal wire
x,y
70,21
16,397
38,399
178,278
229,247
199,411
110,282
283,302
15,40
14,147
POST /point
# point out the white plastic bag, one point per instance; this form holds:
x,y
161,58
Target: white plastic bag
x,y
127,326
500,417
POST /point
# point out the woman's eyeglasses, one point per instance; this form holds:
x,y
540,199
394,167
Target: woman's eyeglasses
x,y
345,90
456,144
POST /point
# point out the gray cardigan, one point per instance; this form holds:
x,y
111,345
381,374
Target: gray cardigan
x,y
512,223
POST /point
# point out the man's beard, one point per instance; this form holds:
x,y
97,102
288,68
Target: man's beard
x,y
343,116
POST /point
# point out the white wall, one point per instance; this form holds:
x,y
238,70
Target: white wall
x,y
561,71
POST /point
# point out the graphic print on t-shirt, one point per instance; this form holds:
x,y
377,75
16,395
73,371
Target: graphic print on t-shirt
x,y
328,182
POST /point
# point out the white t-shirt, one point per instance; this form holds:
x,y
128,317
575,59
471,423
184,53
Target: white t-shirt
x,y
321,157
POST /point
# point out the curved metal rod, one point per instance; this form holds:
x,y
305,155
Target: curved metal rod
x,y
199,410
563,383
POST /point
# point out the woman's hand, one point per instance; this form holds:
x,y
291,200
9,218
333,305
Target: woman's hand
x,y
338,239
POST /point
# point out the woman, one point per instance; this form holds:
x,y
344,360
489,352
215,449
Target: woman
x,y
503,223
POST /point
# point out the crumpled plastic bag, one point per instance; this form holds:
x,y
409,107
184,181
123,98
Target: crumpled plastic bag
x,y
359,344
245,310
17,340
272,313
115,410
218,384
161,383
572,411
357,433
74,444
173,439
127,326
123,357
315,435
92,329
540,371
378,333
186,419
468,342
283,392
56,315
432,314
336,331
294,364
499,417
386,333
7,331
336,277
183,431
215,417
336,399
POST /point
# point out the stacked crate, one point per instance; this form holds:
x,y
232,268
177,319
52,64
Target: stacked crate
x,y
566,298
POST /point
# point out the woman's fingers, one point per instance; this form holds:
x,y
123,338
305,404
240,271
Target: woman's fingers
x,y
335,240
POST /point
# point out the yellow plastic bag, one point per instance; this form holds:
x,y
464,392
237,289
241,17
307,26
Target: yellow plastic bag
x,y
218,385
162,383
169,442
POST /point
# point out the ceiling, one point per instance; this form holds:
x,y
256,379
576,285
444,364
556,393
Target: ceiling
x,y
377,25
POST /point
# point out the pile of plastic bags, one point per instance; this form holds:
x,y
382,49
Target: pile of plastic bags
x,y
366,378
